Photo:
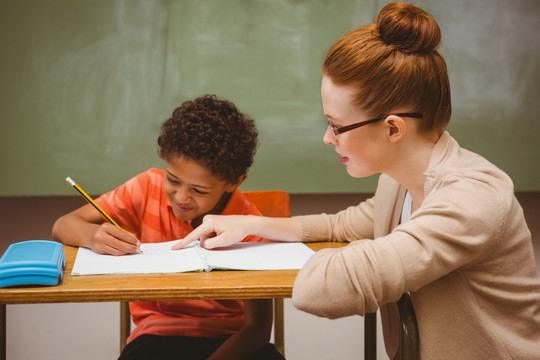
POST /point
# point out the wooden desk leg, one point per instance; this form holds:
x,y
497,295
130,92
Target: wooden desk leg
x,y
3,348
279,333
370,336
125,324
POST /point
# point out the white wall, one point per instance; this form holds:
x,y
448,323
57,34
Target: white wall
x,y
312,337
91,331
63,331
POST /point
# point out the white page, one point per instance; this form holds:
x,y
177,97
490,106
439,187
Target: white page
x,y
160,258
155,258
259,256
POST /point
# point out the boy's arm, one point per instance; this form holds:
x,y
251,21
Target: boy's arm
x,y
85,227
253,336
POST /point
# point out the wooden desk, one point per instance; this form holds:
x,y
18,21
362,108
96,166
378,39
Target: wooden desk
x,y
221,285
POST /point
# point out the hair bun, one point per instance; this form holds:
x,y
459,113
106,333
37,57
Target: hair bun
x,y
408,28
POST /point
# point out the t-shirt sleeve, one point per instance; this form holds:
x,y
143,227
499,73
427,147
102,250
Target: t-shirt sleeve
x,y
125,203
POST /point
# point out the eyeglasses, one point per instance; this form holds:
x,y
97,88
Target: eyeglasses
x,y
341,129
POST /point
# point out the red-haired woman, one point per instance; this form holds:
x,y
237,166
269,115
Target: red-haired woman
x,y
443,228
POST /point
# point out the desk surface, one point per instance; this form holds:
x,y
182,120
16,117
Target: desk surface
x,y
178,286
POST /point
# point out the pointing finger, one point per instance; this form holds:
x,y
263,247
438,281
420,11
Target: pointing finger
x,y
191,237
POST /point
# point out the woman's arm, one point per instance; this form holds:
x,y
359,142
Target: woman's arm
x,y
353,223
225,230
253,336
85,227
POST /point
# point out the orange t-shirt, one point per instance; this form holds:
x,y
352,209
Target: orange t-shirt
x,y
141,206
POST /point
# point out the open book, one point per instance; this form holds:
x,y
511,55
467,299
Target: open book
x,y
159,258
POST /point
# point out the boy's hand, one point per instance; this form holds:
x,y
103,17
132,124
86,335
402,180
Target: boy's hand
x,y
110,240
217,231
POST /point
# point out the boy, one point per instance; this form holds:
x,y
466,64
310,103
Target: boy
x,y
208,147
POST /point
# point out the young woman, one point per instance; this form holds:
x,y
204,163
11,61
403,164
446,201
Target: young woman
x,y
208,147
443,227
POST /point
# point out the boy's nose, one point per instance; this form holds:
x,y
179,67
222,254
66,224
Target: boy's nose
x,y
182,196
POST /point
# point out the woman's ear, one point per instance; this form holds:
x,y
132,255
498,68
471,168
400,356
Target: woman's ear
x,y
232,186
396,128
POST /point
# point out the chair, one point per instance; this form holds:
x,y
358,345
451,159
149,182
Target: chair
x,y
408,346
409,343
274,203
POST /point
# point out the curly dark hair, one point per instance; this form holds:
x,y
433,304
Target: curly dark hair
x,y
212,132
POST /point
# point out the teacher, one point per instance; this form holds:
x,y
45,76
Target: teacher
x,y
443,229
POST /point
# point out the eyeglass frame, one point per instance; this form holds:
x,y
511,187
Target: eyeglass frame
x,y
343,129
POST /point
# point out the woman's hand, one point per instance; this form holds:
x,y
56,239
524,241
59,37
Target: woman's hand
x,y
224,230
218,231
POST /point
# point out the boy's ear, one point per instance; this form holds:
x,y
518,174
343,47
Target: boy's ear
x,y
232,187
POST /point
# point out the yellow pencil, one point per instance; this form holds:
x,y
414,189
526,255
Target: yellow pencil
x,y
89,199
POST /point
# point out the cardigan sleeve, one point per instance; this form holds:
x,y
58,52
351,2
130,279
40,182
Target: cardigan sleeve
x,y
353,223
456,225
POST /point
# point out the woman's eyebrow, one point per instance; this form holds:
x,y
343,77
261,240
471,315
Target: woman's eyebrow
x,y
330,117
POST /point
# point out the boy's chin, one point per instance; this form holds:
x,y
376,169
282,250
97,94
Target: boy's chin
x,y
184,216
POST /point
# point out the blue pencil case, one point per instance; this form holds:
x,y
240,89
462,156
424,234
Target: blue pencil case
x,y
32,262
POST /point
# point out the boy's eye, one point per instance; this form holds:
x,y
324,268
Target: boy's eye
x,y
177,182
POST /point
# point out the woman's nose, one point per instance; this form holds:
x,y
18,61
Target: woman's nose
x,y
329,138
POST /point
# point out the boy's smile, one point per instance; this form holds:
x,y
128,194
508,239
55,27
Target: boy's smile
x,y
192,190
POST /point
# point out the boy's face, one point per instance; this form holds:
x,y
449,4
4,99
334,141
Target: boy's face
x,y
191,189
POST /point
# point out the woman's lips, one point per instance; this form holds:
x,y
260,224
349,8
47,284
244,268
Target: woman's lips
x,y
344,159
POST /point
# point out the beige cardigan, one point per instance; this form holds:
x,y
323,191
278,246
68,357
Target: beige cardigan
x,y
465,256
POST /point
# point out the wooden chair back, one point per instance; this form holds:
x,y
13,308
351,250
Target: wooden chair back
x,y
273,203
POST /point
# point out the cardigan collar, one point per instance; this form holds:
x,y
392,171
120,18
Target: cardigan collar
x,y
440,151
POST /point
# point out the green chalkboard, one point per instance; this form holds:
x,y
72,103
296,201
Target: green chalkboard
x,y
86,84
